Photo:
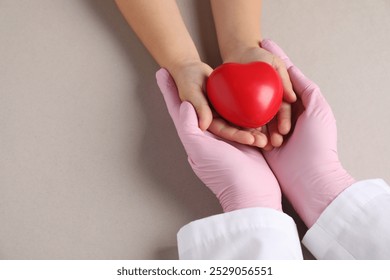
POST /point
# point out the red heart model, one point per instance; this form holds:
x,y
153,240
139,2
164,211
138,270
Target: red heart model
x,y
247,95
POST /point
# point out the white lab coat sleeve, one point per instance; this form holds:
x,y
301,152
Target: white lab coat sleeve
x,y
252,233
356,225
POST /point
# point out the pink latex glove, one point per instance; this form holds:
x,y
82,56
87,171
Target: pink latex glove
x,y
307,165
237,174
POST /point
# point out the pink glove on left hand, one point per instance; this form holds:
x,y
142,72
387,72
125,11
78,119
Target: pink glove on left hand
x,y
237,174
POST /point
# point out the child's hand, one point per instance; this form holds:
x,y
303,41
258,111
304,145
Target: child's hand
x,y
281,124
190,78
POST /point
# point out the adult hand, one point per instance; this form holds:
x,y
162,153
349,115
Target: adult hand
x,y
237,174
307,165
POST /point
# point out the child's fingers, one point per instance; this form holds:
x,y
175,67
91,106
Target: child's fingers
x,y
224,130
268,146
276,138
205,116
261,139
288,92
284,118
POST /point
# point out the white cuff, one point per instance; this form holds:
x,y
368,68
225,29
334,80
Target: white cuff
x,y
252,233
356,225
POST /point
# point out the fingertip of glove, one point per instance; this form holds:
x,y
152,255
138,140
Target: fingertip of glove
x,y
274,48
164,79
185,105
162,73
265,42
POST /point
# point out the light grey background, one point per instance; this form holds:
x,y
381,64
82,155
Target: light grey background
x,y
90,164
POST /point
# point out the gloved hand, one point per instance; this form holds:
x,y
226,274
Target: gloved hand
x,y
237,174
307,165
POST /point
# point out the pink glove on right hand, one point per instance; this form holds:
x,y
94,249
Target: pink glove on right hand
x,y
307,165
237,174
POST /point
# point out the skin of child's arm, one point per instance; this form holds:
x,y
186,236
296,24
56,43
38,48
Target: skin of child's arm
x,y
238,26
160,27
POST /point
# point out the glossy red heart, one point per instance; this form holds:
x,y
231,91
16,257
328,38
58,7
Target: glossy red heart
x,y
247,95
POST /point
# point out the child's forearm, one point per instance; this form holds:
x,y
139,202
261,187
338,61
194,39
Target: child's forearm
x,y
238,24
160,27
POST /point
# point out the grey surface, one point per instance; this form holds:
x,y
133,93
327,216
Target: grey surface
x,y
90,164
